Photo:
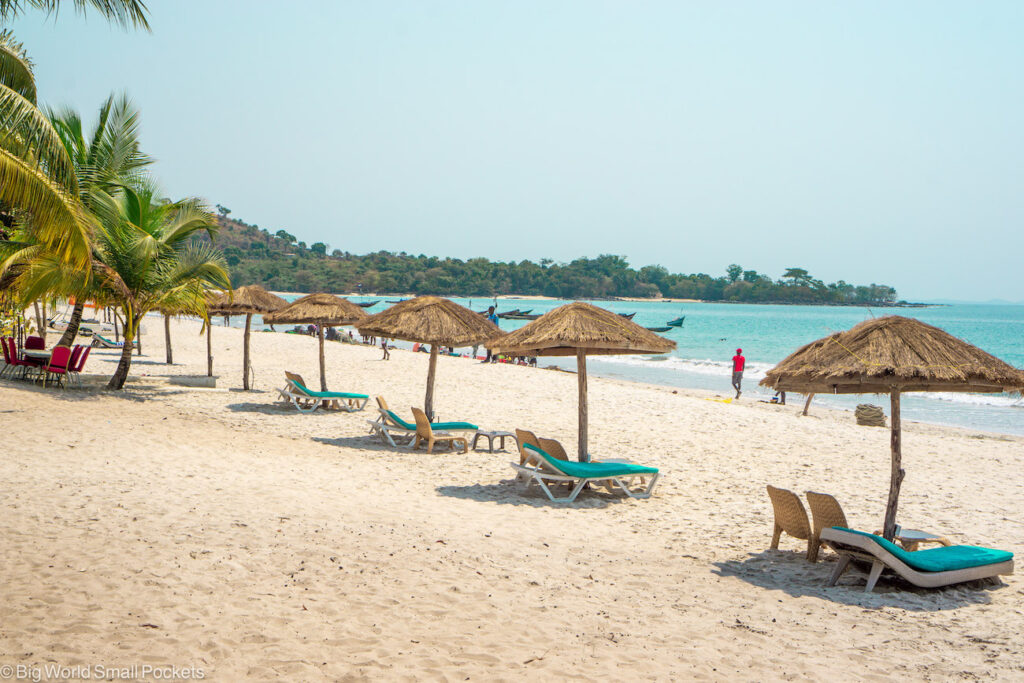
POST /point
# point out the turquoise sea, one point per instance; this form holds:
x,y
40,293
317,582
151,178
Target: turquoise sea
x,y
768,333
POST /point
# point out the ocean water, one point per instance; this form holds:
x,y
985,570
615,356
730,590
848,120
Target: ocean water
x,y
711,334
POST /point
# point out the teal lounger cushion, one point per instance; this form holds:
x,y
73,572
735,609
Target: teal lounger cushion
x,y
329,394
439,426
941,559
593,470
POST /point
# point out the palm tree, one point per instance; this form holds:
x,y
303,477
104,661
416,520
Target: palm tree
x,y
147,260
104,161
123,12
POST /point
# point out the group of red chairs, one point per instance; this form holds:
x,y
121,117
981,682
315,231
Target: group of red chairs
x,y
64,362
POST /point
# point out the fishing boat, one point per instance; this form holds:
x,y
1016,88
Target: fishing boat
x,y
678,322
628,316
659,329
366,304
521,316
507,314
393,301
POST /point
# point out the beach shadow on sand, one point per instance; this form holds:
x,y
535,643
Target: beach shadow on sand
x,y
276,408
365,443
791,573
511,492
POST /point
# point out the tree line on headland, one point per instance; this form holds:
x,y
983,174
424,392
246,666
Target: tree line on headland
x,y
279,261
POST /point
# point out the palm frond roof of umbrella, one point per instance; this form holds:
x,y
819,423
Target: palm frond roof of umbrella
x,y
430,320
247,299
581,326
322,309
878,355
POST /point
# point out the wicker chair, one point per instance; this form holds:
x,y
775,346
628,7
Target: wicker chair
x,y
790,517
826,512
524,437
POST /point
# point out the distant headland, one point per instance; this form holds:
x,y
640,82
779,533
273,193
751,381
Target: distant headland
x,y
279,261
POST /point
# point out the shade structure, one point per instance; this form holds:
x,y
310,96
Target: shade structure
x,y
581,330
322,310
892,355
430,320
248,300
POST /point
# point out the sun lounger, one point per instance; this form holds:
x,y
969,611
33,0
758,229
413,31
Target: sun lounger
x,y
544,469
930,568
104,343
790,517
388,424
306,400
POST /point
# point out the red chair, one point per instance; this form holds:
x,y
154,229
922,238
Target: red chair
x,y
58,365
9,362
13,360
75,370
35,343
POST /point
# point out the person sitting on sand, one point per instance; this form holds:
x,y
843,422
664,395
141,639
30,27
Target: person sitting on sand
x,y
738,362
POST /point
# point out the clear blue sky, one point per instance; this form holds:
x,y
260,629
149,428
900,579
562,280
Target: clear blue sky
x,y
871,142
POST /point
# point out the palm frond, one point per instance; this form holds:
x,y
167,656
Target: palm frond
x,y
26,132
125,13
15,67
57,217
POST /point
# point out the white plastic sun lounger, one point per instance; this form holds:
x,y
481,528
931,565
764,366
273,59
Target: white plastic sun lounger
x,y
932,568
542,469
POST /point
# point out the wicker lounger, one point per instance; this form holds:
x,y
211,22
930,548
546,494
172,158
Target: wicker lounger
x,y
930,568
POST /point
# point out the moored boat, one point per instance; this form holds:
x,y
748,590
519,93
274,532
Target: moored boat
x,y
678,322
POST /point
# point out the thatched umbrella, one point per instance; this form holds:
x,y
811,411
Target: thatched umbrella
x,y
581,330
430,320
322,310
247,300
892,355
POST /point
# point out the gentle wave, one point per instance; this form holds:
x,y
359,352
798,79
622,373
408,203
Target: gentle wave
x,y
704,366
757,371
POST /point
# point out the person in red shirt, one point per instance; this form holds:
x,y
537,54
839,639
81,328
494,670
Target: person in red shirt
x,y
738,362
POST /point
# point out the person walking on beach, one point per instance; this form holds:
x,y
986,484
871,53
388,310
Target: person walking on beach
x,y
384,346
738,362
493,317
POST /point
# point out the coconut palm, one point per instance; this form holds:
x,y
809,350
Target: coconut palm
x,y
123,12
147,260
104,161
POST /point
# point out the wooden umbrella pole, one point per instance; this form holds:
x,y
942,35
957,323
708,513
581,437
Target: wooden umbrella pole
x,y
323,372
428,402
807,406
889,530
581,379
209,348
245,352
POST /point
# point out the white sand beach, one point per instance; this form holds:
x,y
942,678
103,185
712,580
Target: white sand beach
x,y
222,530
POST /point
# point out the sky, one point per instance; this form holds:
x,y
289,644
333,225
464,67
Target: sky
x,y
868,142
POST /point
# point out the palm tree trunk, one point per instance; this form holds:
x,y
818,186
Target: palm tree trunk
x,y
209,349
68,338
167,339
138,333
121,374
40,320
